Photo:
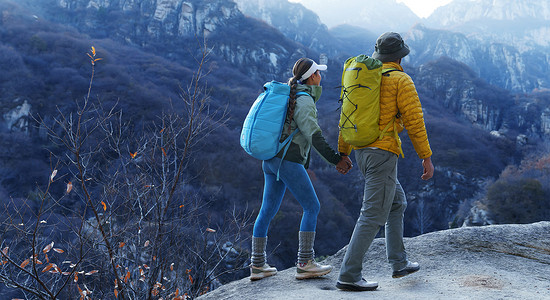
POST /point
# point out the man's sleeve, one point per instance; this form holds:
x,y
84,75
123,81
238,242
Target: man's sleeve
x,y
413,117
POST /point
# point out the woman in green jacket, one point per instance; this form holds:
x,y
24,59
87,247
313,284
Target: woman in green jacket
x,y
293,175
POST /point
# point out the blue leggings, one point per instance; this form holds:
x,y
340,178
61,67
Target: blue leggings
x,y
295,177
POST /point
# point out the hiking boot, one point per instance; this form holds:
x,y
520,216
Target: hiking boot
x,y
311,269
361,285
409,269
257,273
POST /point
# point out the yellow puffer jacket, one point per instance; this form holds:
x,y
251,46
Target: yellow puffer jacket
x,y
398,95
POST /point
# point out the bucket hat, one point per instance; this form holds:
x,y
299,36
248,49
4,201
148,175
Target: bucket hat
x,y
390,47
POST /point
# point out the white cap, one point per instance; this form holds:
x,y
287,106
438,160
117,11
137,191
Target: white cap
x,y
314,67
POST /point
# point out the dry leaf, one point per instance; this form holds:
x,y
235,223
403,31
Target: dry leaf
x,y
121,244
146,266
172,267
133,155
104,206
69,187
58,250
146,243
182,205
91,272
163,151
49,266
210,230
5,250
75,277
127,276
25,263
53,175
190,279
48,248
116,293
93,50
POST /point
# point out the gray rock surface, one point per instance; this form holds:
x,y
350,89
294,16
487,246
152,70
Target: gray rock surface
x,y
491,262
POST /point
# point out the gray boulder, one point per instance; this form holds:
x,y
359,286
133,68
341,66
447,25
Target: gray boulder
x,y
490,262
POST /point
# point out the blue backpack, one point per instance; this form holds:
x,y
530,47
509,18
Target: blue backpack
x,y
264,123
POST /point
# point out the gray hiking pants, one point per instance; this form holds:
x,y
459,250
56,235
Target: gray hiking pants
x,y
384,202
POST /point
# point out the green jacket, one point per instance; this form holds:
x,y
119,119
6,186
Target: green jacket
x,y
305,118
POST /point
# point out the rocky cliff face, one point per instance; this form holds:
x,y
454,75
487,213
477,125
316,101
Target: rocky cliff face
x,y
500,64
505,41
170,26
495,110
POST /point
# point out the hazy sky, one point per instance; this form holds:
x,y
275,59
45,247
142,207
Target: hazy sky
x,y
422,8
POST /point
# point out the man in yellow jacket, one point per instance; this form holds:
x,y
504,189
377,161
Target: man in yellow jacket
x,y
384,200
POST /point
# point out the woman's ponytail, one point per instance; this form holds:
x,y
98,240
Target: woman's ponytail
x,y
300,68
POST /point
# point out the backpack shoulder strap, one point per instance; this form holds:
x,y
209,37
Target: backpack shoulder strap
x,y
387,71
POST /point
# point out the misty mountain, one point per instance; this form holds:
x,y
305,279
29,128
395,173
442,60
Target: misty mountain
x,y
302,25
498,63
522,24
377,16
294,21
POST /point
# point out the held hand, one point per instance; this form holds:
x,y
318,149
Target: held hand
x,y
428,168
344,165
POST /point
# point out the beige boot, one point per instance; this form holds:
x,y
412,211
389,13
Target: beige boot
x,y
258,268
306,266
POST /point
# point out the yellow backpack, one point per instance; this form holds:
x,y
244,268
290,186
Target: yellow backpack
x,y
360,97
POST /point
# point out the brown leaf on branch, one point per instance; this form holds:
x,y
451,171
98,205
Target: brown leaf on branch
x,y
58,250
49,266
91,272
25,263
69,187
53,175
48,247
104,206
